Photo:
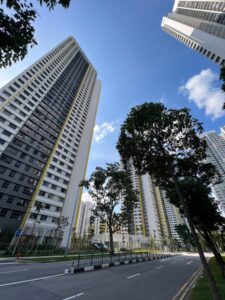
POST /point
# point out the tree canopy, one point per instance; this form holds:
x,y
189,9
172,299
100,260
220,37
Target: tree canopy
x,y
166,144
112,192
17,27
222,78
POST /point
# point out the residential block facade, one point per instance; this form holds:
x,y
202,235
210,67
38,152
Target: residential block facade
x,y
200,25
216,156
47,116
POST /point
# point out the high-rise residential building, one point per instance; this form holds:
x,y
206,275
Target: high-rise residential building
x,y
84,219
200,25
47,116
153,215
216,156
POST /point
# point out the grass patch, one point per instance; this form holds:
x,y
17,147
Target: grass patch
x,y
202,290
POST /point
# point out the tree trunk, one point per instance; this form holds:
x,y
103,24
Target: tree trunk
x,y
209,275
111,248
218,257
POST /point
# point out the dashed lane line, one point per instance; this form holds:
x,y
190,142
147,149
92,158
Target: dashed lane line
x,y
74,296
14,271
31,280
135,275
159,267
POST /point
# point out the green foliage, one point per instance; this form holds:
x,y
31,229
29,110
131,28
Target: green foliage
x,y
185,236
38,206
166,144
222,78
16,28
112,191
203,208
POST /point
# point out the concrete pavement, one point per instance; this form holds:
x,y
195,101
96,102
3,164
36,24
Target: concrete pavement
x,y
153,280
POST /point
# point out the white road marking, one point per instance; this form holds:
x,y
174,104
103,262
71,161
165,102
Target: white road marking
x,y
75,296
159,267
133,275
30,280
190,262
14,271
9,263
165,259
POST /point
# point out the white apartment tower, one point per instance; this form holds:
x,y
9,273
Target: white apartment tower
x,y
84,219
200,25
216,156
47,116
153,215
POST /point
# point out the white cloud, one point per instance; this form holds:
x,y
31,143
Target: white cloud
x,y
202,89
101,131
86,197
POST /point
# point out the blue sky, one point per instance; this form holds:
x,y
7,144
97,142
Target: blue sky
x,y
135,60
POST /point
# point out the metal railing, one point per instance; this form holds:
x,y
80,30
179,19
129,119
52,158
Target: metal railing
x,y
97,260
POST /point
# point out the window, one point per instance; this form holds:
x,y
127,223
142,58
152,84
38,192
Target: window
x,y
2,120
22,177
10,200
2,142
43,218
6,159
3,212
21,203
12,174
23,155
16,187
42,193
27,191
17,119
12,126
16,215
5,184
6,132
2,170
27,168
18,164
6,93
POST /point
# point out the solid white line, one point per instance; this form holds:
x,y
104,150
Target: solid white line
x,y
75,296
190,262
30,280
159,267
7,272
133,275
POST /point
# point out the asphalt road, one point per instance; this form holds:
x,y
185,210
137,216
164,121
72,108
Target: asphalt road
x,y
152,280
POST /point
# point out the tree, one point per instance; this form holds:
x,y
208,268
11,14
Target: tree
x,y
204,211
61,224
112,192
38,207
185,236
16,28
165,143
222,78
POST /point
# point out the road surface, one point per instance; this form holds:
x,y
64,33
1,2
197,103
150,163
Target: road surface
x,y
153,280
